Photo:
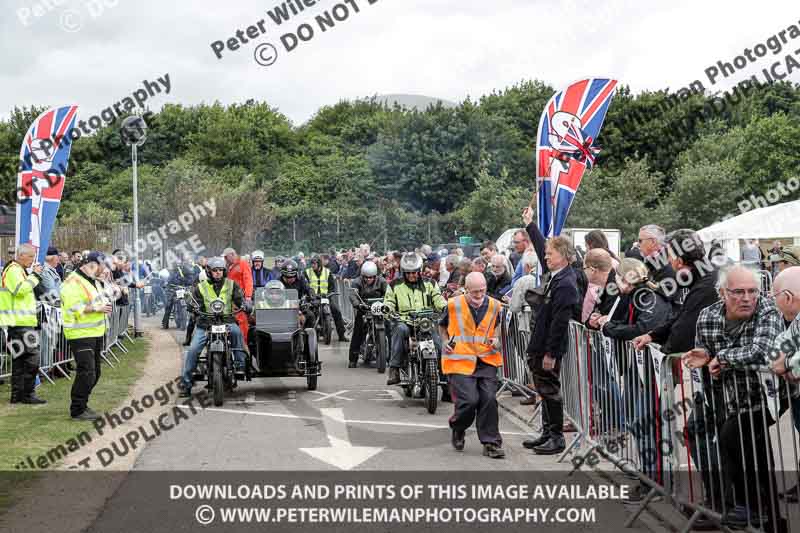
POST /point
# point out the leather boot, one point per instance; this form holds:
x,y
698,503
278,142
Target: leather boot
x,y
555,415
394,376
545,436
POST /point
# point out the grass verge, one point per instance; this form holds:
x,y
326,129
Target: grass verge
x,y
27,430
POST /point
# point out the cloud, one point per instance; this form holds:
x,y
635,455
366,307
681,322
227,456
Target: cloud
x,y
448,49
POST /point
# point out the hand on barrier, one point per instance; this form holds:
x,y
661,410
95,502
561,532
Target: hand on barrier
x,y
641,341
593,320
715,367
696,358
778,366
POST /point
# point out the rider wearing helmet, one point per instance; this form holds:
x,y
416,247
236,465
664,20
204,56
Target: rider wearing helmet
x,y
260,274
368,285
322,283
218,286
293,281
409,293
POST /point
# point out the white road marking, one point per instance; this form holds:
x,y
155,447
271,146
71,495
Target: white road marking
x,y
250,397
341,453
393,395
325,396
365,422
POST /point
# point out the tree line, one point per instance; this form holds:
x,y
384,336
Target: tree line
x,y
364,171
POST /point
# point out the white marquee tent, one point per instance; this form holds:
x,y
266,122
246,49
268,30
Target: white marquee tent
x,y
780,221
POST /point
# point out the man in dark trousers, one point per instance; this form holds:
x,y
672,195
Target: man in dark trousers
x,y
559,304
470,360
84,308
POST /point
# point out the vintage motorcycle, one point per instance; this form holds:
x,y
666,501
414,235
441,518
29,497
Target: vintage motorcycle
x,y
216,364
322,311
375,347
179,305
421,378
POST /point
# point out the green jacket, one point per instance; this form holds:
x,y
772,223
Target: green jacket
x,y
402,298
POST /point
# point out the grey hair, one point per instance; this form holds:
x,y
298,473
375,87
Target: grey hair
x,y
529,259
24,249
656,231
452,260
724,272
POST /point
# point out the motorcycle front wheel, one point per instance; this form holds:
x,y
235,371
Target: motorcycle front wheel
x,y
217,381
431,385
380,350
328,329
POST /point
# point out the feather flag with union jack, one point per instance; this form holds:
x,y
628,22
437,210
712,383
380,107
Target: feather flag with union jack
x,y
40,182
565,147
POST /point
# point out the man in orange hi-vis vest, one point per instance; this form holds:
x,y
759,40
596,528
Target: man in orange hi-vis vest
x,y
470,359
239,271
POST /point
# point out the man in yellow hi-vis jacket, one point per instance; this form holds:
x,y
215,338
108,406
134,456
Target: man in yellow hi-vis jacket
x,y
84,308
470,359
18,313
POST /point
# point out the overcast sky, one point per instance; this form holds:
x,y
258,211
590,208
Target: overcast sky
x,y
448,49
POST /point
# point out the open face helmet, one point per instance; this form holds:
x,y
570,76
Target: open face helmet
x,y
289,269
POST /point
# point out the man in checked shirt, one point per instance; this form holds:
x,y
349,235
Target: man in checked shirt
x,y
731,334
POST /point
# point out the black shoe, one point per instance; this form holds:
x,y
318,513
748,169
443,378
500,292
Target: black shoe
x,y
531,444
14,399
352,364
33,399
344,338
446,398
88,416
554,445
164,327
494,451
457,439
394,376
529,400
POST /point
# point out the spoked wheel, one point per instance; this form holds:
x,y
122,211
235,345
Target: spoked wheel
x,y
328,330
217,380
431,385
311,382
380,350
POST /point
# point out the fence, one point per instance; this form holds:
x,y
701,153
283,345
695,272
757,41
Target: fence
x,y
724,449
53,352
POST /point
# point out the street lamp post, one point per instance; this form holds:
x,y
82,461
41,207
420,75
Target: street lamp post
x,y
134,133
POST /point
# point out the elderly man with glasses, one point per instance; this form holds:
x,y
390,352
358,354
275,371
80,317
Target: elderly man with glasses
x,y
732,335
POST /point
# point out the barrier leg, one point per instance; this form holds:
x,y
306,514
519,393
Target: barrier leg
x,y
42,372
103,355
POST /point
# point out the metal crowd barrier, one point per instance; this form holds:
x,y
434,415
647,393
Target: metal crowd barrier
x,y
53,351
766,281
515,375
342,301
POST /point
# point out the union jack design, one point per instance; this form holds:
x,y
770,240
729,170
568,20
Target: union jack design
x,y
565,148
44,156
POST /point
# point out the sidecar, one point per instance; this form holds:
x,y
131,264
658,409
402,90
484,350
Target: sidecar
x,y
279,346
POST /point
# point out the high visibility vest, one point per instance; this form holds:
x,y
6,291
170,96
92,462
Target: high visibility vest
x,y
76,294
209,295
318,283
17,300
473,342
403,298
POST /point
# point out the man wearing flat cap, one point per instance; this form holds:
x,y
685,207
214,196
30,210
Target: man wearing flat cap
x,y
51,280
788,256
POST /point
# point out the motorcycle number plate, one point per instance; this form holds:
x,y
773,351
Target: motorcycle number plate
x,y
217,329
325,301
180,293
148,289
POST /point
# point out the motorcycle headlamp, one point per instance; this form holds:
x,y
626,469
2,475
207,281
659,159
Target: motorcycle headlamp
x,y
425,324
217,306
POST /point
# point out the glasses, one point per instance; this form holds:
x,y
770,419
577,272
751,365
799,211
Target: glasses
x,y
589,267
740,293
517,242
787,291
369,277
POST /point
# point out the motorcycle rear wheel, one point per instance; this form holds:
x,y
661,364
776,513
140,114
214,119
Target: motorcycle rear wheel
x,y
431,385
